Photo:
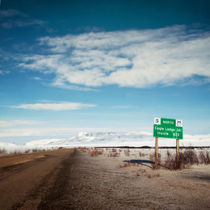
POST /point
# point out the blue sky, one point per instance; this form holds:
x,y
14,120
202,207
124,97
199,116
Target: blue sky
x,y
73,65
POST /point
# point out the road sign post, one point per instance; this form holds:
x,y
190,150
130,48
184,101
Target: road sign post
x,y
167,128
156,152
177,153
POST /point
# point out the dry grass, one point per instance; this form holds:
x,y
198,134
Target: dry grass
x,y
152,175
186,160
127,164
114,150
95,152
143,172
127,152
2,151
170,161
83,149
152,159
114,154
140,172
204,157
141,154
27,151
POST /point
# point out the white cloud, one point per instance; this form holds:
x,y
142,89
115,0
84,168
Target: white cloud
x,y
14,18
13,132
4,72
138,58
46,131
5,123
61,84
122,107
21,23
55,107
11,13
37,78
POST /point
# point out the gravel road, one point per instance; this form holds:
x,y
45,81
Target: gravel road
x,y
72,179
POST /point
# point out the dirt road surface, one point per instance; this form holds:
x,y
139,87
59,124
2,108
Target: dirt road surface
x,y
72,179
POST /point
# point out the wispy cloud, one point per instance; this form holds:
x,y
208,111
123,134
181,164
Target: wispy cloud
x,y
15,18
5,123
49,132
21,23
4,72
137,58
55,106
62,84
11,13
37,78
122,107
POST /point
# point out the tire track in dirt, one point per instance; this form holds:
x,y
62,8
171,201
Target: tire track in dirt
x,y
26,180
34,197
11,170
54,198
51,188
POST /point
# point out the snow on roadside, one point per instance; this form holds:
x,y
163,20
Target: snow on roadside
x,y
8,148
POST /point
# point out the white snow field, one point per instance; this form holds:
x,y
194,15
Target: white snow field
x,y
106,139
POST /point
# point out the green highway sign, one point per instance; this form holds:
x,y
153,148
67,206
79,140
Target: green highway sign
x,y
168,128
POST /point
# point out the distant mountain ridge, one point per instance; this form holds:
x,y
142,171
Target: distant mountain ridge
x,y
137,139
108,139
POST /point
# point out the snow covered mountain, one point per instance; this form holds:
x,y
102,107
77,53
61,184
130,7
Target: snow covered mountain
x,y
98,139
92,139
135,139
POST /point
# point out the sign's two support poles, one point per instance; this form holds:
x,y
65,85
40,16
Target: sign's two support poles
x,y
156,152
177,153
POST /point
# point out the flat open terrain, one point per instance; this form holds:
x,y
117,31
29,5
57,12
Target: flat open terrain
x,y
72,179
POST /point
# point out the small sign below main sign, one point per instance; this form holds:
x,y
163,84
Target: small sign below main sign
x,y
168,128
